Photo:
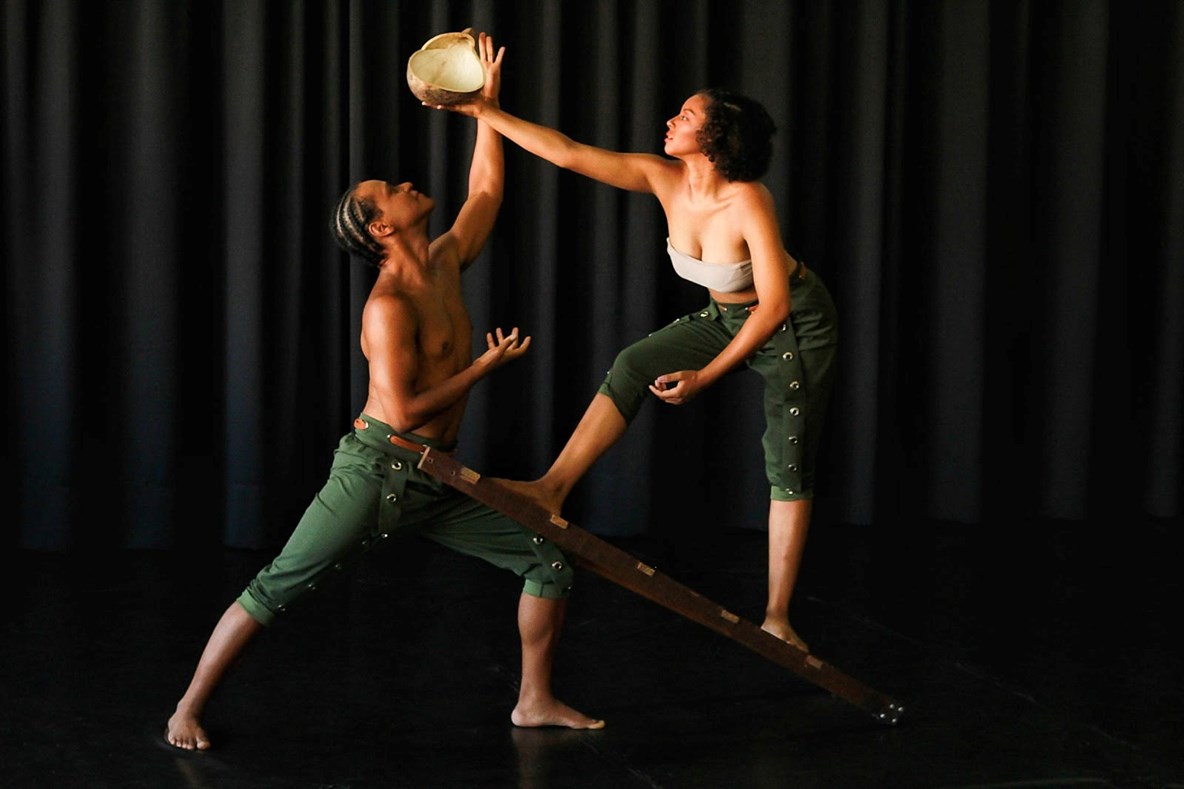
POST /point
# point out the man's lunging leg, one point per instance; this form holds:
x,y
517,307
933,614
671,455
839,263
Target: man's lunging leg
x,y
539,623
231,635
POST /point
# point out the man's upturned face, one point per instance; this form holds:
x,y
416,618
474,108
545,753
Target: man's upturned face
x,y
399,205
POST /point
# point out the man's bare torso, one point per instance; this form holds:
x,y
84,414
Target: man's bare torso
x,y
437,321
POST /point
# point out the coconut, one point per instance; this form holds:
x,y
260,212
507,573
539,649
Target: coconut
x,y
447,69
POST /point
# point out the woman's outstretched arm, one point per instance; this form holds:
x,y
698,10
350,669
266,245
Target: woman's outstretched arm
x,y
636,172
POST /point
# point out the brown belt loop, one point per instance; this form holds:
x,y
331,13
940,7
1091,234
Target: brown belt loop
x,y
799,274
399,441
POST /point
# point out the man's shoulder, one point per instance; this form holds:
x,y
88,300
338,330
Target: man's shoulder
x,y
386,300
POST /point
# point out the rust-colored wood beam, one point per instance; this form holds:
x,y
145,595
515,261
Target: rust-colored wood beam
x,y
615,565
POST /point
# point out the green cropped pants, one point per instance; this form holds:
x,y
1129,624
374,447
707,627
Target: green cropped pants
x,y
797,363
375,492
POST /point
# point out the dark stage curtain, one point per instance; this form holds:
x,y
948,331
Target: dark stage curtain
x,y
993,191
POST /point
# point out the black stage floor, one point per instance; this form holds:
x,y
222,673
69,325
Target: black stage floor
x,y
1028,655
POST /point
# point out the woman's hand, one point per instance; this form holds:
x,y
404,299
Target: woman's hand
x,y
500,349
491,59
677,388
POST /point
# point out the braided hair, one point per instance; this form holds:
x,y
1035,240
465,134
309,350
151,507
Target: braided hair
x,y
349,228
736,135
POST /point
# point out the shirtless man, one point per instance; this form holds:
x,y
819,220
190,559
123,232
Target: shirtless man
x,y
416,337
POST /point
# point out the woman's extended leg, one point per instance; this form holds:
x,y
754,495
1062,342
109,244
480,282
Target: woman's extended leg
x,y
601,426
688,343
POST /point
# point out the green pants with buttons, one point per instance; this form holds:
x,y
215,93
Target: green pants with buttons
x,y
375,492
797,363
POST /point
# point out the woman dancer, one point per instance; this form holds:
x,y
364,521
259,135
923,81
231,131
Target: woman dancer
x,y
765,309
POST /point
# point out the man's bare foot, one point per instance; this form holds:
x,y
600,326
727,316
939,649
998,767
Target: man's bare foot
x,y
185,732
551,713
535,491
786,633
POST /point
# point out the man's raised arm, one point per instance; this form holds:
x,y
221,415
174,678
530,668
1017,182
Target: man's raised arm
x,y
487,173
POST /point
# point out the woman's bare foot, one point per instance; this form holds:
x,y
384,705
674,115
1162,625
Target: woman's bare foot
x,y
786,633
551,712
536,491
185,732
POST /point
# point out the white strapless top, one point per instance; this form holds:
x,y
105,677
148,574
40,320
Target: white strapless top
x,y
720,277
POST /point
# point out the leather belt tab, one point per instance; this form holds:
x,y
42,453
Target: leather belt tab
x,y
399,441
394,438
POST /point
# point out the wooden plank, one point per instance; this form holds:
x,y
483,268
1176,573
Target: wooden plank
x,y
615,565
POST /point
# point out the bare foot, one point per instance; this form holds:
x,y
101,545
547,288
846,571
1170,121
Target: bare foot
x,y
535,491
552,713
786,633
185,732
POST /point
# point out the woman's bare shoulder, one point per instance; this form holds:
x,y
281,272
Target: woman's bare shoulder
x,y
752,192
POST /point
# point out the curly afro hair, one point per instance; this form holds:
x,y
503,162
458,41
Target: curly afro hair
x,y
737,135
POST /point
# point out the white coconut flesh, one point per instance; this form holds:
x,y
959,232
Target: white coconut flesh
x,y
456,69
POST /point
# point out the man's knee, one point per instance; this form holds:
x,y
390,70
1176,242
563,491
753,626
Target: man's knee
x,y
553,586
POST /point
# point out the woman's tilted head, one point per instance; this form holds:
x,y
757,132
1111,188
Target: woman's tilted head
x,y
737,135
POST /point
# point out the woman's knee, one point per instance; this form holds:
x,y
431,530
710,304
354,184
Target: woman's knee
x,y
631,364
